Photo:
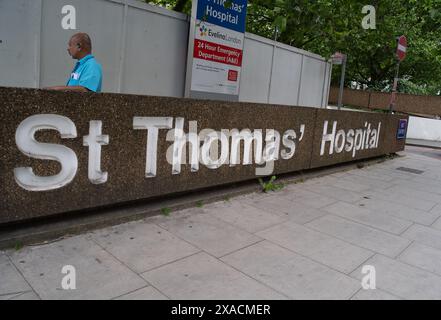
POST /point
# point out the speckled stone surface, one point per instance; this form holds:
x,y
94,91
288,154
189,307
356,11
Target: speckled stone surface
x,y
124,157
407,103
350,97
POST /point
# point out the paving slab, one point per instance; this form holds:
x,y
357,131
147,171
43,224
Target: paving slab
x,y
349,185
147,293
297,211
98,274
398,210
30,295
414,192
403,280
142,246
299,195
377,220
11,281
335,192
437,224
245,216
320,247
295,276
172,215
210,234
422,256
424,235
406,200
436,210
274,203
8,296
360,235
428,181
372,174
392,172
433,188
202,276
374,294
370,182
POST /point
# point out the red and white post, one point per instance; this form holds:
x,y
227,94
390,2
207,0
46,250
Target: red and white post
x,y
401,54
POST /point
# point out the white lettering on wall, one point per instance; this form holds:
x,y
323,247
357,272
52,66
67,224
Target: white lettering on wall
x,y
289,142
272,146
206,150
152,125
26,143
211,148
248,138
350,141
94,141
176,153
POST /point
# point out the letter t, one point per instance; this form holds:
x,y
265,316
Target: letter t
x,y
94,141
152,125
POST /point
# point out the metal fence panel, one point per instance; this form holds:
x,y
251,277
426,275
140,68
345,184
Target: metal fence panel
x,y
313,77
286,77
256,70
19,37
156,51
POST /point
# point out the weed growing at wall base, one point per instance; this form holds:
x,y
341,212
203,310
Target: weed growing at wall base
x,y
165,211
270,185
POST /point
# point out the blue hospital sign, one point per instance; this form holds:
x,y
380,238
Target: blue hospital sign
x,y
227,14
402,128
218,38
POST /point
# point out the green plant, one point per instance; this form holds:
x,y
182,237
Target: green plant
x,y
199,204
18,246
270,185
166,211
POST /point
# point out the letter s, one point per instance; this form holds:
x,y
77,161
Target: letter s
x,y
26,143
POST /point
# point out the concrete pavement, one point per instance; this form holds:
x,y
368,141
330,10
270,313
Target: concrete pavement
x,y
309,240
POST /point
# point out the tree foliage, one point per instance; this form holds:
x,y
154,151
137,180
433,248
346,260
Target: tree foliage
x,y
327,26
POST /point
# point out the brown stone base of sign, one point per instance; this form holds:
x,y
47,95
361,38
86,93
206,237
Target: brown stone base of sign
x,y
349,136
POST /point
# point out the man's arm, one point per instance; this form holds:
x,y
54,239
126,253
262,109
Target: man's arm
x,y
68,88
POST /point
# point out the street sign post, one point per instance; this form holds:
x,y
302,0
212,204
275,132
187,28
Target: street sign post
x,y
401,48
340,58
401,55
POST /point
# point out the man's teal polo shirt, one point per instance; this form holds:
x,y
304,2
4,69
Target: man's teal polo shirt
x,y
87,73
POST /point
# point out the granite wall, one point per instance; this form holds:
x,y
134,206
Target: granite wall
x,y
407,103
357,135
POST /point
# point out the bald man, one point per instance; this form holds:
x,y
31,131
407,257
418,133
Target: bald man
x,y
87,73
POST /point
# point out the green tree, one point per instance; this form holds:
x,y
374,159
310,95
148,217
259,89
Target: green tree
x,y
327,26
